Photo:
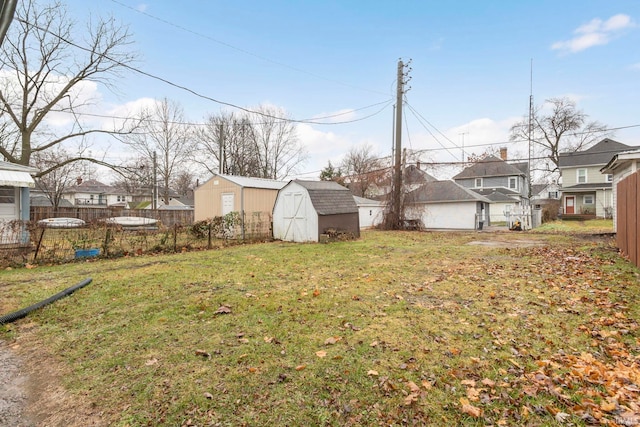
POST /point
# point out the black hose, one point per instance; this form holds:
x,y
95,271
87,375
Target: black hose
x,y
8,318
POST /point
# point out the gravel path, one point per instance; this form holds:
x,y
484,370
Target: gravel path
x,y
13,385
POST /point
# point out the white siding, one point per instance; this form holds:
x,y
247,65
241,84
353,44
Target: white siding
x,y
456,215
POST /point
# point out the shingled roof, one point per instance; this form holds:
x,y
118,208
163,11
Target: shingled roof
x,y
599,154
329,197
492,166
443,192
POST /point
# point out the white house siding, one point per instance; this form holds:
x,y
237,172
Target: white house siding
x,y
294,217
370,216
454,215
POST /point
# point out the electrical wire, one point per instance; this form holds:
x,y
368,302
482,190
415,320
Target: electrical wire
x,y
244,51
197,94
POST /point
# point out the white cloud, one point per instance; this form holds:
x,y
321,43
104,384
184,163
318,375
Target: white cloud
x,y
595,33
142,7
635,66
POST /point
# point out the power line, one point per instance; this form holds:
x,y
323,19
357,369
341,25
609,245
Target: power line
x,y
246,52
194,92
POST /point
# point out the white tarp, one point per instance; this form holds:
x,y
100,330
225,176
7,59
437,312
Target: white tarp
x,y
16,179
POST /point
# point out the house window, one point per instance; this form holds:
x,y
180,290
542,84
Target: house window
x,y
587,199
7,195
122,199
478,183
581,177
609,177
553,195
513,182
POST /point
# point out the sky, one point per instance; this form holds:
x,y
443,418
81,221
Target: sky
x,y
474,65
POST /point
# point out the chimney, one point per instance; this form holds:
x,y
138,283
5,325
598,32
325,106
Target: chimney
x,y
503,153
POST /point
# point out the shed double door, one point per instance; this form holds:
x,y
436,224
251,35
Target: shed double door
x,y
294,217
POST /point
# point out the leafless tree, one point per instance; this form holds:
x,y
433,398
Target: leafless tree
x,y
278,149
45,67
262,143
362,168
184,183
163,133
60,178
563,129
225,144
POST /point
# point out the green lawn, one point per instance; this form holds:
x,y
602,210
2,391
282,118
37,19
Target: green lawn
x,y
396,328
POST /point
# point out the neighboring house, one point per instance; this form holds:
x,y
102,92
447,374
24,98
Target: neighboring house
x,y
447,205
503,183
94,194
621,166
413,176
304,210
15,182
585,189
546,195
371,212
251,198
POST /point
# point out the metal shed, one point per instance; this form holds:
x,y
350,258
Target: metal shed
x,y
304,210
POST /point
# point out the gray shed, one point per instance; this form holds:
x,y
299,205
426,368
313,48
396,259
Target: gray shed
x,y
304,210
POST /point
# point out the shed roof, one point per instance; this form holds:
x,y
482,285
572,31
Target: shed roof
x,y
250,182
599,154
329,197
492,166
443,192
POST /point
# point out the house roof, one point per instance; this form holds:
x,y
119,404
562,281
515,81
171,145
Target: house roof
x,y
498,194
443,192
588,187
92,186
361,201
45,202
412,174
538,188
248,182
329,197
598,155
15,175
492,166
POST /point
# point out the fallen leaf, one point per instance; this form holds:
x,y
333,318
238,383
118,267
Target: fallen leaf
x,y
208,395
268,339
252,369
203,353
321,353
469,409
488,382
151,362
374,344
223,310
300,367
372,373
413,387
332,340
316,293
410,398
470,383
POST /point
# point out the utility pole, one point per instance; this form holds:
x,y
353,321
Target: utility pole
x,y
220,148
396,207
154,192
530,134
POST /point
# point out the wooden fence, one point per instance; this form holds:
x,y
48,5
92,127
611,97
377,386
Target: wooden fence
x,y
628,216
168,218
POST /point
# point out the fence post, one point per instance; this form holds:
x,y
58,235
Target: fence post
x,y
209,241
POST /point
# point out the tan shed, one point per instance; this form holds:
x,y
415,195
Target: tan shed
x,y
252,198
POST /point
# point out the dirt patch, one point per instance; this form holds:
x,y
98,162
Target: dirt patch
x,y
520,243
13,390
32,394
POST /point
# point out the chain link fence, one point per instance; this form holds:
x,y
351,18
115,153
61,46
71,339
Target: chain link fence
x,y
23,243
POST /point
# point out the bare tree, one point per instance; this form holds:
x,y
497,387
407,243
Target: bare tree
x,y
225,144
564,128
44,72
262,144
362,168
60,178
277,147
184,183
135,176
163,134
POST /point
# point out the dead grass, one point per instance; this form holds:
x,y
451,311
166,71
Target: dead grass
x,y
401,328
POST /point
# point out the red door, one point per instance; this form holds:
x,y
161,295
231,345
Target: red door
x,y
570,205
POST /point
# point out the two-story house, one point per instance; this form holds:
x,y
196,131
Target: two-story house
x,y
504,184
586,190
94,194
